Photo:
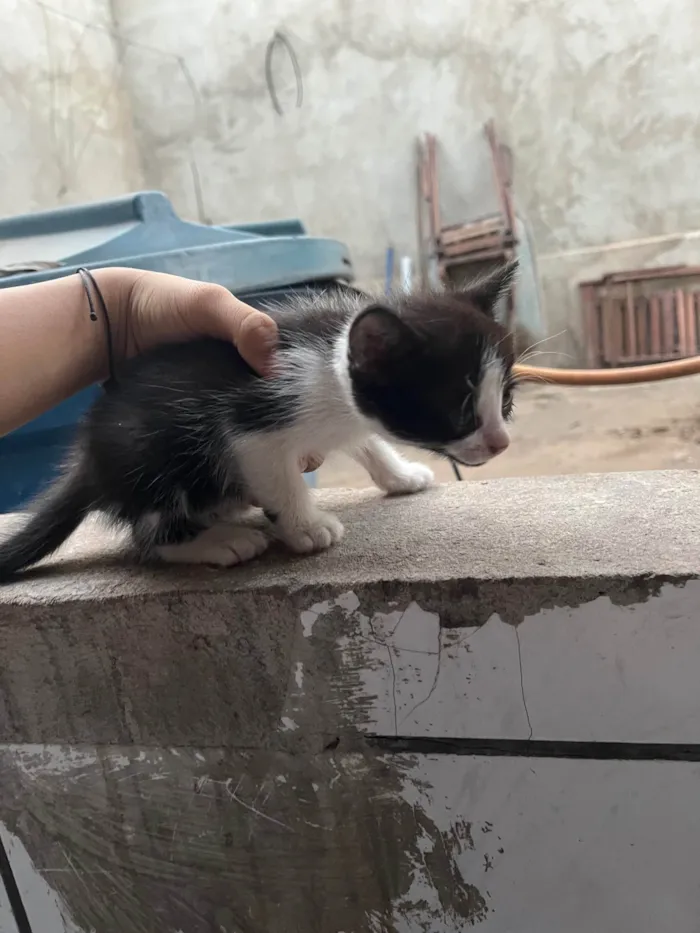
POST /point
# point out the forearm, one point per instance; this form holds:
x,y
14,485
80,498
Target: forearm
x,y
49,347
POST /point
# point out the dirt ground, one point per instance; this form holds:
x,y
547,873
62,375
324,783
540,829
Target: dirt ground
x,y
558,430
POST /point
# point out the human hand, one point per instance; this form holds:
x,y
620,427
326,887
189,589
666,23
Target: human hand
x,y
161,308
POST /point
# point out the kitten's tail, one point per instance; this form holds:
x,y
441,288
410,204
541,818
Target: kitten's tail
x,y
55,516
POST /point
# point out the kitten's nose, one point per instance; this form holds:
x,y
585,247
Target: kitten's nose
x,y
497,443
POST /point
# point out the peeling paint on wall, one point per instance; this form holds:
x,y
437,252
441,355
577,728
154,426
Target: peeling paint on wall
x,y
412,677
401,673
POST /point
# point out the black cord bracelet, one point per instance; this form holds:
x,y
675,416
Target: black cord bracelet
x,y
90,286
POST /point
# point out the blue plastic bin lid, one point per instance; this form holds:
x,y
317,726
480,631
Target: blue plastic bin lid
x,y
143,231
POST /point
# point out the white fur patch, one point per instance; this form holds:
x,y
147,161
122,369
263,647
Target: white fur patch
x,y
492,436
220,546
328,419
390,471
489,405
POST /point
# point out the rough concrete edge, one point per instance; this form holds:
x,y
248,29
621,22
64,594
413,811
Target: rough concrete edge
x,y
460,602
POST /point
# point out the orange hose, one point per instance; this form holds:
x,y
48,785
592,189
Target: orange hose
x,y
611,377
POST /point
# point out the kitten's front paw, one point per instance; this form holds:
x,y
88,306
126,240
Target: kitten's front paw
x,y
317,533
219,546
414,477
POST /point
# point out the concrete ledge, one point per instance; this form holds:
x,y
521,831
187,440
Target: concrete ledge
x,y
576,528
99,651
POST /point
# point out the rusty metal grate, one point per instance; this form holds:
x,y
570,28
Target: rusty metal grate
x,y
642,316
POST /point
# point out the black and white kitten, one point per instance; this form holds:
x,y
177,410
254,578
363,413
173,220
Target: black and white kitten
x,y
190,435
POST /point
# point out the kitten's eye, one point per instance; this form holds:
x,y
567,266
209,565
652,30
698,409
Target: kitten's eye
x,y
466,421
507,405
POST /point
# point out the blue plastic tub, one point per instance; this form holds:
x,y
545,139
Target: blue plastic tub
x,y
142,231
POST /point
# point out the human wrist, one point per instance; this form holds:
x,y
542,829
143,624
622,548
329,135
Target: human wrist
x,y
115,285
47,357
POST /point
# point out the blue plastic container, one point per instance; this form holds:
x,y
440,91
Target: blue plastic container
x,y
143,231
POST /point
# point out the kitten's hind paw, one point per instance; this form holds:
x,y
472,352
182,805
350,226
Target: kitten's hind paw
x,y
316,533
219,546
413,477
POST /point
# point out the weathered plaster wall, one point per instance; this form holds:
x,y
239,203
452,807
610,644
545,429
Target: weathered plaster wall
x,y
600,116
65,122
597,101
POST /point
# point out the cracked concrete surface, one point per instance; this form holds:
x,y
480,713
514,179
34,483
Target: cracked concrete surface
x,y
522,684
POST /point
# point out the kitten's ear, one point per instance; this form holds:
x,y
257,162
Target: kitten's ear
x,y
378,342
487,293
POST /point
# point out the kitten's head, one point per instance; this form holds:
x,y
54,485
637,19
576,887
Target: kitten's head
x,y
436,370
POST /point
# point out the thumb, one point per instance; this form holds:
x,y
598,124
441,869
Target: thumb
x,y
255,338
253,333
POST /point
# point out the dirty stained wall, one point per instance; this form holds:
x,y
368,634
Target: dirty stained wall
x,y
65,119
600,117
